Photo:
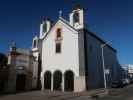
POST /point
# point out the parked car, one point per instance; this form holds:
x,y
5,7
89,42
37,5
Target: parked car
x,y
126,81
117,84
131,80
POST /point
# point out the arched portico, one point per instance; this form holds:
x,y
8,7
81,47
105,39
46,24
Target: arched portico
x,y
69,80
57,80
47,80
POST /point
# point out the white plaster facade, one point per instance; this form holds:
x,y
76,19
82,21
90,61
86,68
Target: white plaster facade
x,y
75,54
68,58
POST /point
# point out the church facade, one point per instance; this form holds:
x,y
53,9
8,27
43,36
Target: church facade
x,y
72,57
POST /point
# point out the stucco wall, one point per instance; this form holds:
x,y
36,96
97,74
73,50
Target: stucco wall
x,y
68,58
94,62
111,63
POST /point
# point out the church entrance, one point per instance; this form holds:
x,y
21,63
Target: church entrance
x,y
47,80
20,82
69,81
57,80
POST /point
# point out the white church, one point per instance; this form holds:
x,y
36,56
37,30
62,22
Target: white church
x,y
72,57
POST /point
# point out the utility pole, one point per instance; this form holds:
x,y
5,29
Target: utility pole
x,y
103,65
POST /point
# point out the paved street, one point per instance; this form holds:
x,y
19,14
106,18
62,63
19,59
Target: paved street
x,y
39,95
119,94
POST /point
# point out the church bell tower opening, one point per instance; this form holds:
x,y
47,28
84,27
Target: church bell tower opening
x,y
45,27
77,17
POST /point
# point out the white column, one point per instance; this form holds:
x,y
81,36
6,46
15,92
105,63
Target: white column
x,y
52,83
42,82
62,84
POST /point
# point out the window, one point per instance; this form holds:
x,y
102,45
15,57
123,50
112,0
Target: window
x,y
58,40
58,47
58,33
44,27
76,17
34,44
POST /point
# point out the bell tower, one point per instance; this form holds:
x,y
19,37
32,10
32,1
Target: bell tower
x,y
77,17
45,27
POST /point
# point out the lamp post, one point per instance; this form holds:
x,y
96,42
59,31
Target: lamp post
x,y
103,65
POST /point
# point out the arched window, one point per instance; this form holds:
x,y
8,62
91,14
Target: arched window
x,y
34,43
58,41
44,27
58,33
76,17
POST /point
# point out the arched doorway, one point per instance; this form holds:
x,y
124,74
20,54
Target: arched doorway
x,y
69,81
47,80
57,80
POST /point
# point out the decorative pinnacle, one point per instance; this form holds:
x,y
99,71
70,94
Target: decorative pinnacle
x,y
13,44
77,6
60,13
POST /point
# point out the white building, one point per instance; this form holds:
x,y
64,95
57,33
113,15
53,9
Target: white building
x,y
128,68
71,57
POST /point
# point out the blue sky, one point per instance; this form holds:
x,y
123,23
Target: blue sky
x,y
110,19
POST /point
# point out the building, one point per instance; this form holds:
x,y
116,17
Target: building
x,y
3,72
22,70
71,55
128,70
